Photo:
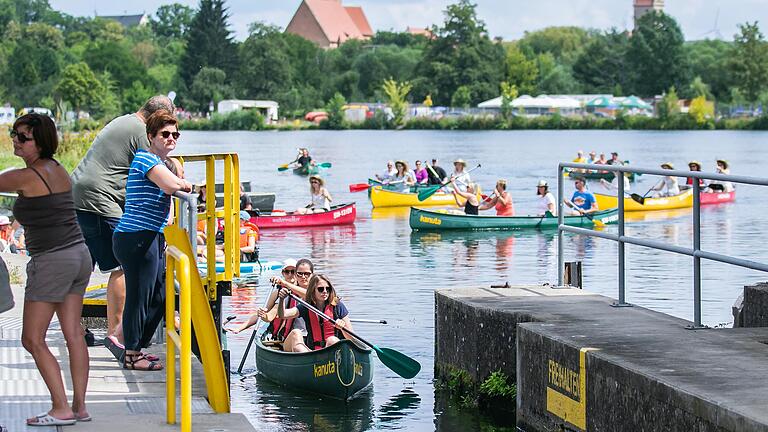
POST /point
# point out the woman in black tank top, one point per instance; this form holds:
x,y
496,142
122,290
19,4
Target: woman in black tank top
x,y
472,203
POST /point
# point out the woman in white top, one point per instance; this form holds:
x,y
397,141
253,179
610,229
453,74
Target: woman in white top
x,y
460,174
614,184
721,186
321,198
403,178
546,201
667,186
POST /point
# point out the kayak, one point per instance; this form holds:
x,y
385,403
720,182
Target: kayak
x,y
683,200
246,267
422,219
385,198
306,170
339,371
717,197
343,214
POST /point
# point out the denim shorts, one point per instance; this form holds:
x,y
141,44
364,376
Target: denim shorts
x,y
98,231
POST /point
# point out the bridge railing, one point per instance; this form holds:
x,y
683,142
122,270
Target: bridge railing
x,y
695,251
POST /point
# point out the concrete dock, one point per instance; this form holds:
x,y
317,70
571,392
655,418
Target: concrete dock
x,y
581,364
117,399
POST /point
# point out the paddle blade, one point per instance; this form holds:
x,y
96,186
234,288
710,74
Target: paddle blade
x,y
428,192
358,187
639,199
398,362
282,167
598,222
325,165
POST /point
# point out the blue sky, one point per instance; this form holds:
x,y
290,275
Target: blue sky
x,y
506,18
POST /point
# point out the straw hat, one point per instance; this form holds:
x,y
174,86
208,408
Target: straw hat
x,y
460,161
668,165
723,162
542,183
318,178
695,162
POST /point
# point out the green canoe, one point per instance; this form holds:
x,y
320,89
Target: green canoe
x,y
428,220
608,176
306,170
339,371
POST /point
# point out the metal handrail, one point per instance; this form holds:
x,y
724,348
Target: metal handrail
x,y
622,239
178,264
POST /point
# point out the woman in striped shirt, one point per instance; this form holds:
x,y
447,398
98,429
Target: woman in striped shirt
x,y
138,241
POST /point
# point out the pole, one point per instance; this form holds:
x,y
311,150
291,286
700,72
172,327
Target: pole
x,y
560,221
622,275
696,259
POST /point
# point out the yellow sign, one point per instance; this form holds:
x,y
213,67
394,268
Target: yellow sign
x,y
324,369
430,220
567,391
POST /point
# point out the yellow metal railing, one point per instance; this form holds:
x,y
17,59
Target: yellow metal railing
x,y
178,265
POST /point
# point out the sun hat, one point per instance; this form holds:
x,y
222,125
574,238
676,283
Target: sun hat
x,y
290,262
460,161
244,215
668,164
4,220
694,162
318,178
542,183
723,162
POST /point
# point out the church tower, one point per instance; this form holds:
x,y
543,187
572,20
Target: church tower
x,y
644,6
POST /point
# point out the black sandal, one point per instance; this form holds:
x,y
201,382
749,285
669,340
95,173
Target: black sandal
x,y
132,359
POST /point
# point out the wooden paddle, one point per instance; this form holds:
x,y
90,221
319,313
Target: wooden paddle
x,y
396,361
429,191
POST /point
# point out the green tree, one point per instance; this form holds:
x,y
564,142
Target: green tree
x,y
116,58
135,96
265,65
508,94
462,97
79,87
396,95
701,110
554,78
749,61
668,107
710,60
520,71
208,86
564,43
602,67
209,42
172,21
335,110
656,55
699,88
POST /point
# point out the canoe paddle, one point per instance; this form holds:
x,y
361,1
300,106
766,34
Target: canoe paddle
x,y
597,222
396,361
253,335
359,187
284,167
428,192
641,199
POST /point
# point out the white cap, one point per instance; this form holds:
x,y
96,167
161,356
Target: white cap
x,y
290,262
542,183
4,220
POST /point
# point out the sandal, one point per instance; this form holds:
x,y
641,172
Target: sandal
x,y
46,419
132,359
150,357
115,347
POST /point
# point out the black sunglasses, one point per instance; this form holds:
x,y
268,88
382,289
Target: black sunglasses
x,y
166,134
323,289
287,271
20,136
304,274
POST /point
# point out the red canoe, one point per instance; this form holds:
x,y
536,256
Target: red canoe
x,y
717,197
343,214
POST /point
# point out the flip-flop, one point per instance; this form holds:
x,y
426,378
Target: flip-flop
x,y
46,419
115,348
85,418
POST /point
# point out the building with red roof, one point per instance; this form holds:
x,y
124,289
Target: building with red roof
x,y
328,23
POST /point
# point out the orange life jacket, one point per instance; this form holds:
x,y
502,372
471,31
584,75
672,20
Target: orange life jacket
x,y
316,336
248,230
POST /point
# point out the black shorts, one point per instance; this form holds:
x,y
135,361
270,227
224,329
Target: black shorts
x,y
97,231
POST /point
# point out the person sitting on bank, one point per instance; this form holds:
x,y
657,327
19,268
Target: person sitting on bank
x,y
582,201
437,174
721,186
546,201
321,198
500,199
668,185
320,332
472,204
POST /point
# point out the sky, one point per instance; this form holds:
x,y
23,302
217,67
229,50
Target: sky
x,y
509,19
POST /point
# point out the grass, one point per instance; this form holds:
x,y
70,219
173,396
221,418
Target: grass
x,y
72,148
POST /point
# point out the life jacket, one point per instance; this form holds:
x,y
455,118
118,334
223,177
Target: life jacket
x,y
316,337
277,322
248,230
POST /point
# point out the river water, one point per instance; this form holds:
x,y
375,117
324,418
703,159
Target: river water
x,y
383,271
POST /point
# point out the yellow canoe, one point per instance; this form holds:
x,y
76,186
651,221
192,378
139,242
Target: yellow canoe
x,y
385,198
684,200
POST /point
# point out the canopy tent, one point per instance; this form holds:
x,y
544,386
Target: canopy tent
x,y
544,101
634,102
602,102
491,103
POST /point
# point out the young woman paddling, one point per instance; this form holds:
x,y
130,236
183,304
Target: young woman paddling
x,y
59,267
320,332
321,198
500,199
472,204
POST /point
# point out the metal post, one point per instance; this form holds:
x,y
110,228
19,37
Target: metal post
x,y
622,275
696,259
560,221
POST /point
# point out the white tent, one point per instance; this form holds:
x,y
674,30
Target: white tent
x,y
491,103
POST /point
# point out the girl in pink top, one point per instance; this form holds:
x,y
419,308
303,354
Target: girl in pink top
x,y
422,176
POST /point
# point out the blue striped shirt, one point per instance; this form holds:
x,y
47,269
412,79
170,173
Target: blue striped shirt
x,y
146,205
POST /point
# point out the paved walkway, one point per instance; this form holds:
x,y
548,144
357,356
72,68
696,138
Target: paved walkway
x,y
117,399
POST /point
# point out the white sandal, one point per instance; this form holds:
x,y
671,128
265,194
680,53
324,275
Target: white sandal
x,y
46,419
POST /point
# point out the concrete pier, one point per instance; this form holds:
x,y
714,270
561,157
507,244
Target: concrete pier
x,y
581,364
117,399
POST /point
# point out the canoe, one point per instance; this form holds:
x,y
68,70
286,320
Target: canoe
x,y
717,197
307,170
422,219
343,214
339,371
608,176
374,182
684,200
385,198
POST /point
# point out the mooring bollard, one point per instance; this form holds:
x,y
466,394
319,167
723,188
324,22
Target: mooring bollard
x,y
573,274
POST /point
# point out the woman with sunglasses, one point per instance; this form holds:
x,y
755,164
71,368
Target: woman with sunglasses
x,y
422,176
500,199
321,198
138,241
320,332
59,267
403,179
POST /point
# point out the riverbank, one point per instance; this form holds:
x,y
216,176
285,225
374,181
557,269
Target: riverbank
x,y
72,149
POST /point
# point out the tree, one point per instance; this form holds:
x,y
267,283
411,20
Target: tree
x,y
668,106
172,21
710,60
564,43
701,110
461,97
265,65
508,94
554,78
335,110
699,88
520,71
396,93
656,55
749,61
79,86
602,66
116,58
209,42
208,86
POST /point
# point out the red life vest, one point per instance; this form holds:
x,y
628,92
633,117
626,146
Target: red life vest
x,y
288,322
318,337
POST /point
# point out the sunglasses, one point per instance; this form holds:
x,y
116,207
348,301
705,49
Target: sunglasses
x,y
166,134
315,182
323,289
304,274
20,136
286,271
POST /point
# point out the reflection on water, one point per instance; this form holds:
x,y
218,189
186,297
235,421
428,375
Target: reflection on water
x,y
383,271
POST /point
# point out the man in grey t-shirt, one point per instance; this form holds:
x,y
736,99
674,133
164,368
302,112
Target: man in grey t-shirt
x,y
98,187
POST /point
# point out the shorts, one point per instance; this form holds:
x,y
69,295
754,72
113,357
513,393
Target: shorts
x,y
98,231
52,276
